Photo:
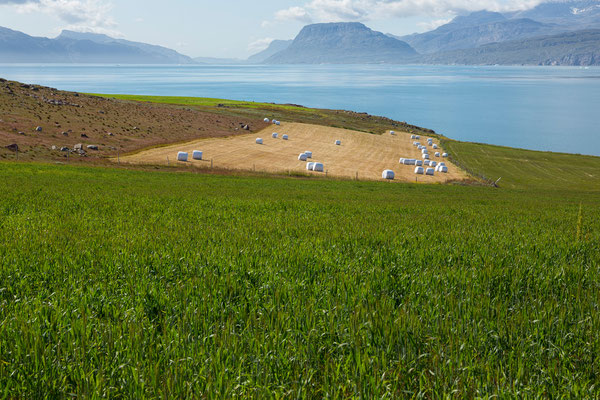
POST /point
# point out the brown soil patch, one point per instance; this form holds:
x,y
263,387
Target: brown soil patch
x,y
362,153
133,125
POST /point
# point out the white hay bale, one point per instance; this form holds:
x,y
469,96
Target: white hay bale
x,y
182,156
388,174
432,163
274,121
437,153
419,170
285,137
426,162
302,157
267,120
413,137
275,135
277,123
310,165
445,155
318,167
435,146
197,155
429,171
338,142
443,168
418,163
259,141
425,156
402,160
392,133
417,137
308,154
424,151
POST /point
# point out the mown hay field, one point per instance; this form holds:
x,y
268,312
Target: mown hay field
x,y
132,284
360,155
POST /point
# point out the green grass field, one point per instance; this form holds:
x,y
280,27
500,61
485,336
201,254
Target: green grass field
x,y
137,284
527,169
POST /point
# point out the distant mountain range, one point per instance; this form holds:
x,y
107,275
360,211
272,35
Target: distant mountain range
x,y
556,33
342,43
75,47
552,33
572,48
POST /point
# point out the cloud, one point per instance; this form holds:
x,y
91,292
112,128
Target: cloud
x,y
260,44
363,10
293,13
17,1
80,15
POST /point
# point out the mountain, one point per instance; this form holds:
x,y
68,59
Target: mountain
x,y
572,48
275,47
342,43
578,14
72,47
477,29
168,55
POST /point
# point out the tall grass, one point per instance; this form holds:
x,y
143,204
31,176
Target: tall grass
x,y
146,285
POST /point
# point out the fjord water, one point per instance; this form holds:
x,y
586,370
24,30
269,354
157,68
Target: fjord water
x,y
539,108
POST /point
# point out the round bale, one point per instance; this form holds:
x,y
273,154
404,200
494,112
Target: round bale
x,y
388,174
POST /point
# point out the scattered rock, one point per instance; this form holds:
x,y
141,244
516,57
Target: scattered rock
x,y
38,129
65,133
92,147
64,149
110,134
101,112
13,147
246,127
21,133
83,135
53,147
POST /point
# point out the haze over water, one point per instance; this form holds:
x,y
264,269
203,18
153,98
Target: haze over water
x,y
540,108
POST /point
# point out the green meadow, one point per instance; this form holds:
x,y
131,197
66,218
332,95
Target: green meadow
x,y
119,283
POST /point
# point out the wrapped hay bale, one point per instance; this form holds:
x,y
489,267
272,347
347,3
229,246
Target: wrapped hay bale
x,y
388,174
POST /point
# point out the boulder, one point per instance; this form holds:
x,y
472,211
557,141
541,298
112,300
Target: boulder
x,y
78,147
246,127
92,147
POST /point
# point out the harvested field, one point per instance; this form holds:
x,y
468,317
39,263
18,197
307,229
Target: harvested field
x,y
362,153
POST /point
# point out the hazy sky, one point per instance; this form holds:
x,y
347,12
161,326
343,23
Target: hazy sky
x,y
230,28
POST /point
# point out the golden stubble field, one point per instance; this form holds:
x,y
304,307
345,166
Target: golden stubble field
x,y
362,153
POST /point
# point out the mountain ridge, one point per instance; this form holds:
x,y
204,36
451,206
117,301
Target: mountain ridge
x,y
340,43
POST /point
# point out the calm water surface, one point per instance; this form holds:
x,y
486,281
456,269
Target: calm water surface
x,y
541,108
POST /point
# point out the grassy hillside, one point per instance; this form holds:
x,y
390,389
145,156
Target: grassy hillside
x,y
138,284
285,112
520,168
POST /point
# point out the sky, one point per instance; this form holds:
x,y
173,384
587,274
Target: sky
x,y
231,28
